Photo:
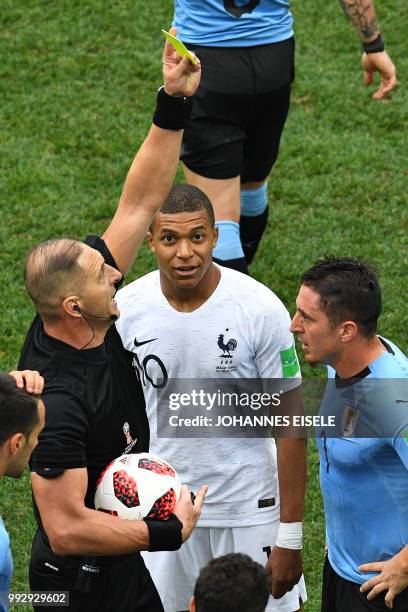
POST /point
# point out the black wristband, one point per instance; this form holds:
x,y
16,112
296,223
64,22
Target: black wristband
x,y
164,535
171,112
375,46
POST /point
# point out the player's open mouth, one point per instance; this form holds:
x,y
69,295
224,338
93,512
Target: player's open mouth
x,y
186,270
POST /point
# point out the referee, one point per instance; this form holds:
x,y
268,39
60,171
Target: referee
x,y
94,407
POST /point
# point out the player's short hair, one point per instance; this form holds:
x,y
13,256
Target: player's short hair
x,y
186,198
18,409
51,272
230,583
348,289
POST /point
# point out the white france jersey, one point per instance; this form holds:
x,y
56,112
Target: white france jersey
x,y
246,316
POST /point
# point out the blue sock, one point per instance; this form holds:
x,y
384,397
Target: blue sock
x,y
254,201
254,218
229,241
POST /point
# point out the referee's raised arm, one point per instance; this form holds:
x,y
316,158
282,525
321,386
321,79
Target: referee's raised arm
x,y
154,167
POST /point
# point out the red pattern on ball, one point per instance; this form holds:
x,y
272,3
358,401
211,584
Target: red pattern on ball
x,y
125,489
156,466
163,507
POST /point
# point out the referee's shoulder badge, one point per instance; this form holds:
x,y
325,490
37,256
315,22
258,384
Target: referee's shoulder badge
x,y
289,362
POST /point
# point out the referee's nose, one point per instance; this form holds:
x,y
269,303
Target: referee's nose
x,y
113,274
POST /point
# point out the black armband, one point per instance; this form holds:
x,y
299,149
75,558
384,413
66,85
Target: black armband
x,y
164,535
375,46
171,112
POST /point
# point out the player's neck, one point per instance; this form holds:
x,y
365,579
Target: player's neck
x,y
79,335
190,299
355,358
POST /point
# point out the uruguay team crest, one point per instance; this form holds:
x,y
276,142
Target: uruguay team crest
x,y
349,421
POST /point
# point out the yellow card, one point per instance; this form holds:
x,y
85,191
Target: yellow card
x,y
180,47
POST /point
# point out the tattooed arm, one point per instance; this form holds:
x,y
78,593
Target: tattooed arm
x,y
364,19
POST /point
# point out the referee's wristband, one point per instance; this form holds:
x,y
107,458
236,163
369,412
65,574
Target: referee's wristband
x,y
375,46
171,112
290,535
164,535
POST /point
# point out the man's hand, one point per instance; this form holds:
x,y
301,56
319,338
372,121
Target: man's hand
x,y
30,379
285,567
181,77
187,512
393,578
363,16
379,62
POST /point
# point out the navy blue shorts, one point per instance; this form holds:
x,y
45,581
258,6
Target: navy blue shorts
x,y
239,110
340,595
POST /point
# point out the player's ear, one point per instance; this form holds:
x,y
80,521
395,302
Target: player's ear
x,y
215,236
348,331
150,241
192,606
16,442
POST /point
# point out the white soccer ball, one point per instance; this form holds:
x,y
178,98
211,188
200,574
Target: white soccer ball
x,y
137,486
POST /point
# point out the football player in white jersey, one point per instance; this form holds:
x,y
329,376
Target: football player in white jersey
x,y
193,319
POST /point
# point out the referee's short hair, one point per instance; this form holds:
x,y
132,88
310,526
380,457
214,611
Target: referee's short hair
x,y
52,271
18,409
348,289
186,198
230,583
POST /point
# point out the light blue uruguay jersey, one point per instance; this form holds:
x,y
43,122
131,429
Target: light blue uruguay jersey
x,y
232,23
6,567
364,470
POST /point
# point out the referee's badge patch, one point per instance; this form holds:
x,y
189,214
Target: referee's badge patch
x,y
349,421
126,431
129,440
